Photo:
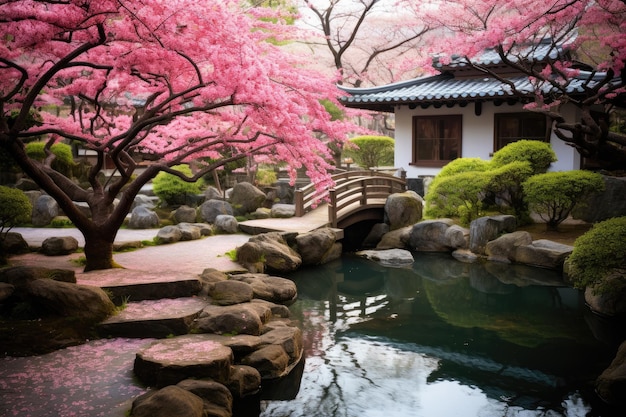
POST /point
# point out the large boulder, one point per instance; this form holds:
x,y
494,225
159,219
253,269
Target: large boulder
x,y
169,234
71,300
272,251
611,384
210,209
604,204
485,229
167,402
226,293
14,243
543,253
218,400
144,200
58,246
271,361
287,337
212,193
225,223
269,288
375,235
403,209
235,319
143,217
611,302
44,210
189,231
396,239
281,192
430,236
283,211
389,257
246,198
317,247
184,214
503,248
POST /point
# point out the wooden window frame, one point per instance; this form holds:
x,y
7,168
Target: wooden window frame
x,y
521,115
439,148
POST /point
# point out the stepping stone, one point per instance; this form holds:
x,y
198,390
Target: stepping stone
x,y
153,318
169,361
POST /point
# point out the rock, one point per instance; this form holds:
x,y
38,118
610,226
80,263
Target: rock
x,y
210,209
212,193
71,300
189,231
250,256
613,301
316,247
215,395
58,246
276,310
271,361
143,200
6,291
14,243
225,293
484,229
430,236
281,192
26,184
274,289
205,229
20,276
396,239
611,384
275,253
389,257
261,213
44,210
246,198
209,278
283,211
457,237
244,381
225,223
403,209
503,248
234,319
184,214
143,218
543,253
375,235
169,234
287,337
33,196
153,318
605,204
167,402
169,361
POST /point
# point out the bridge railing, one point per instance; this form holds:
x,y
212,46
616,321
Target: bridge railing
x,y
352,188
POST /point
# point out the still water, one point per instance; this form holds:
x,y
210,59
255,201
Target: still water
x,y
443,338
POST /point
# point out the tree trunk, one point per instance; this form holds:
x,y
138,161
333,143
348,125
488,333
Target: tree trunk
x,y
99,251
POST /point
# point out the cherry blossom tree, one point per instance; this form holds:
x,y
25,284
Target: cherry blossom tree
x,y
587,36
167,81
366,39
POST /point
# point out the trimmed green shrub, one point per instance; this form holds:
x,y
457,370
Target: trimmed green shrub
x,y
598,252
15,209
436,202
174,190
459,195
539,154
266,176
373,151
63,161
506,191
554,195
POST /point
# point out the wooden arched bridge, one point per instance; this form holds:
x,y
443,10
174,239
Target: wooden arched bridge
x,y
356,196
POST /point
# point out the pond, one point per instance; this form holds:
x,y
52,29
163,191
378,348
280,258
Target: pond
x,y
443,338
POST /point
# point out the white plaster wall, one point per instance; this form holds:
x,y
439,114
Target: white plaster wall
x,y
478,134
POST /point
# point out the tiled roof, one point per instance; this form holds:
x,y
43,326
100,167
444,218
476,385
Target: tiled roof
x,y
444,89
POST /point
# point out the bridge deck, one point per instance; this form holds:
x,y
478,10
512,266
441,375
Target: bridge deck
x,y
314,219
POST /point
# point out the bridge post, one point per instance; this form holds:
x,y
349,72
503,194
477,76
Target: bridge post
x,y
332,204
299,201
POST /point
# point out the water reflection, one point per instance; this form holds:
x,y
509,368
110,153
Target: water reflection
x,y
444,338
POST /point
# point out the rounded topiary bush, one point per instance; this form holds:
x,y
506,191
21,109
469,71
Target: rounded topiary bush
x,y
371,151
173,190
63,161
15,208
539,154
597,253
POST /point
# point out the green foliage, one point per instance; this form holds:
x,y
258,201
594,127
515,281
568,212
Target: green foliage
x,y
459,195
539,154
266,176
505,185
372,151
436,201
232,255
335,112
174,190
63,161
61,222
553,195
598,252
15,208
